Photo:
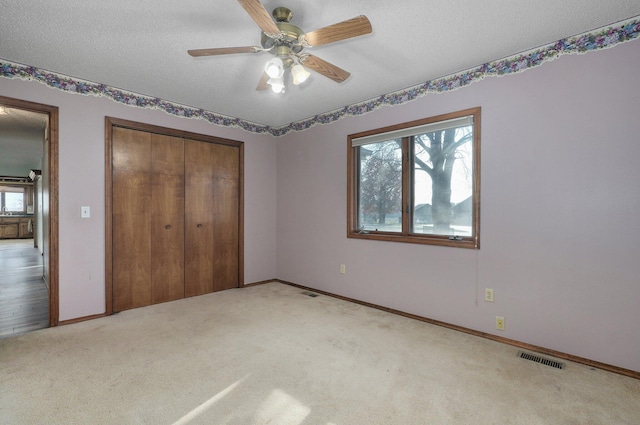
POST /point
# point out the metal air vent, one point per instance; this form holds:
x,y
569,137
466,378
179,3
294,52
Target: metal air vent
x,y
542,360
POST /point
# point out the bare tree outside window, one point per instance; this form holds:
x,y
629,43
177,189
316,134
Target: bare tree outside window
x,y
443,181
381,186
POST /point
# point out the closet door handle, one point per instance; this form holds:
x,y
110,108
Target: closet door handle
x,y
168,226
199,225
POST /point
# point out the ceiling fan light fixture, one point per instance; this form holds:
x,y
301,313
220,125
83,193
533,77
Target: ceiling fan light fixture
x,y
286,41
299,74
277,84
274,68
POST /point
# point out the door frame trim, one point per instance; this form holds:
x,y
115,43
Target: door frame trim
x,y
52,159
110,123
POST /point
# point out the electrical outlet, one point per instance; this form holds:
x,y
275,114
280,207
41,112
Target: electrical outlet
x,y
343,269
500,323
488,295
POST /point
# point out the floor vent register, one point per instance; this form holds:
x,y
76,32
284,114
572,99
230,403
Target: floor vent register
x,y
542,360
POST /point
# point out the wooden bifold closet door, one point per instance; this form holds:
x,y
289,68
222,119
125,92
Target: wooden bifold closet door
x,y
175,217
212,218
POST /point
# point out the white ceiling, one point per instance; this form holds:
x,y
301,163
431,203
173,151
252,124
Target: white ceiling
x,y
141,45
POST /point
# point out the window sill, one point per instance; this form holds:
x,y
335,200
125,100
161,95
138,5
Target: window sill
x,y
465,242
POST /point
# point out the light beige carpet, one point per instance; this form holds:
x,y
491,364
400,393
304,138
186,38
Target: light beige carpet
x,y
270,355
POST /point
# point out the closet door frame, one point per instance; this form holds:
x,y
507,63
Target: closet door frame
x,y
110,123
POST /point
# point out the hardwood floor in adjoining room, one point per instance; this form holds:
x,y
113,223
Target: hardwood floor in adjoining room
x,y
24,297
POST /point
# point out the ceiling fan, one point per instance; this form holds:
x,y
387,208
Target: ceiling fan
x,y
286,41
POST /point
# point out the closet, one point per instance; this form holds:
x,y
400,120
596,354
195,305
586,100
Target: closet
x,y
175,207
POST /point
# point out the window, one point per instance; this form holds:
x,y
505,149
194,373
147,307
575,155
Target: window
x,y
12,199
417,182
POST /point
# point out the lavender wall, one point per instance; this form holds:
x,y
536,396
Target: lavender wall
x,y
82,182
559,212
559,208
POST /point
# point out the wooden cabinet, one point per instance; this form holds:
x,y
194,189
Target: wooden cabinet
x,y
175,217
16,227
26,228
9,230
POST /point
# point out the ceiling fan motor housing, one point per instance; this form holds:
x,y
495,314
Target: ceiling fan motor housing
x,y
290,34
282,14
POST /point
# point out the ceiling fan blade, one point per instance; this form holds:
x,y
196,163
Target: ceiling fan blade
x,y
259,14
223,51
325,68
262,84
353,27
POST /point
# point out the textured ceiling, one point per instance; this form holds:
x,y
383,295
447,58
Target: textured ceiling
x,y
141,45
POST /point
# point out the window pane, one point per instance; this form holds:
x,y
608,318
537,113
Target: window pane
x,y
380,189
14,201
443,182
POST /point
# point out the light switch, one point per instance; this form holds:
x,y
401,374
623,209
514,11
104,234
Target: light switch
x,y
85,212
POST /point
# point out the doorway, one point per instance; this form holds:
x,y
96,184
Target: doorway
x,y
28,260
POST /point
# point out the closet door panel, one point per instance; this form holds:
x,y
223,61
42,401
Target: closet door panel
x,y
225,211
199,223
175,223
167,218
131,153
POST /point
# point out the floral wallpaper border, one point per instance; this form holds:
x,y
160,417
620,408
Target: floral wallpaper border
x,y
587,42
